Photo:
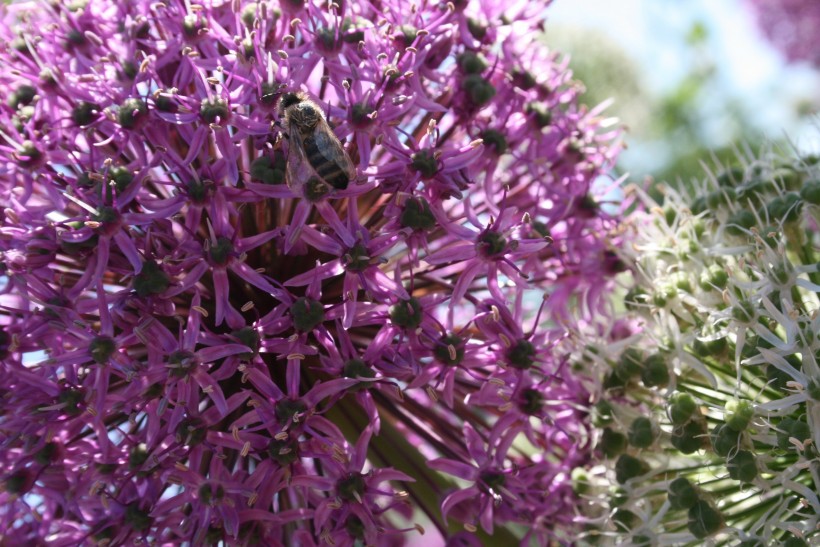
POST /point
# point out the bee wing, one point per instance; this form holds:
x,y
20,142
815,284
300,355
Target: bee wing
x,y
332,150
298,169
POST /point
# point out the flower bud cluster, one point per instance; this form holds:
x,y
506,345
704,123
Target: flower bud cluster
x,y
709,418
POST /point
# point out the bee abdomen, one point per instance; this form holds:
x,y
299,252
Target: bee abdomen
x,y
338,180
326,168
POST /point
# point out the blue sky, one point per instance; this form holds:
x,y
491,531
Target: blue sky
x,y
652,32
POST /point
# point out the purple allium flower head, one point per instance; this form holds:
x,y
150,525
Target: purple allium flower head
x,y
793,26
195,351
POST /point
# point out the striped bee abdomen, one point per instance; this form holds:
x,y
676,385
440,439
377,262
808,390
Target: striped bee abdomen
x,y
325,164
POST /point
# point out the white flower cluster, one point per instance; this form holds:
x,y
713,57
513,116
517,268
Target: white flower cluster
x,y
709,415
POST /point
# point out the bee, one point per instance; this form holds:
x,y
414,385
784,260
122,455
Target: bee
x,y
316,163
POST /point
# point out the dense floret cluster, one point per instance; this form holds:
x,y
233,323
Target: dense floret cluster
x,y
194,350
709,420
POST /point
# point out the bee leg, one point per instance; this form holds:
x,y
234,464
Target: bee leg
x,y
278,124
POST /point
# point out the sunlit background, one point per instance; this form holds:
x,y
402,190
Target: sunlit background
x,y
688,79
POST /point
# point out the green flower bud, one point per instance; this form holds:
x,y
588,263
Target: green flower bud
x,y
738,414
670,214
479,90
133,113
85,113
690,437
784,208
791,428
425,163
655,371
725,440
744,311
495,139
628,467
580,481
417,215
612,443
476,28
811,192
720,198
682,407
642,433
704,520
625,520
151,280
101,349
699,205
742,466
407,314
682,494
664,292
601,413
268,170
731,177
249,14
714,277
709,348
139,520
541,115
215,110
629,365
636,298
739,223
523,79
307,314
450,349
471,63
283,452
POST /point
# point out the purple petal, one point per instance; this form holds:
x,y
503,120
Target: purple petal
x,y
457,469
